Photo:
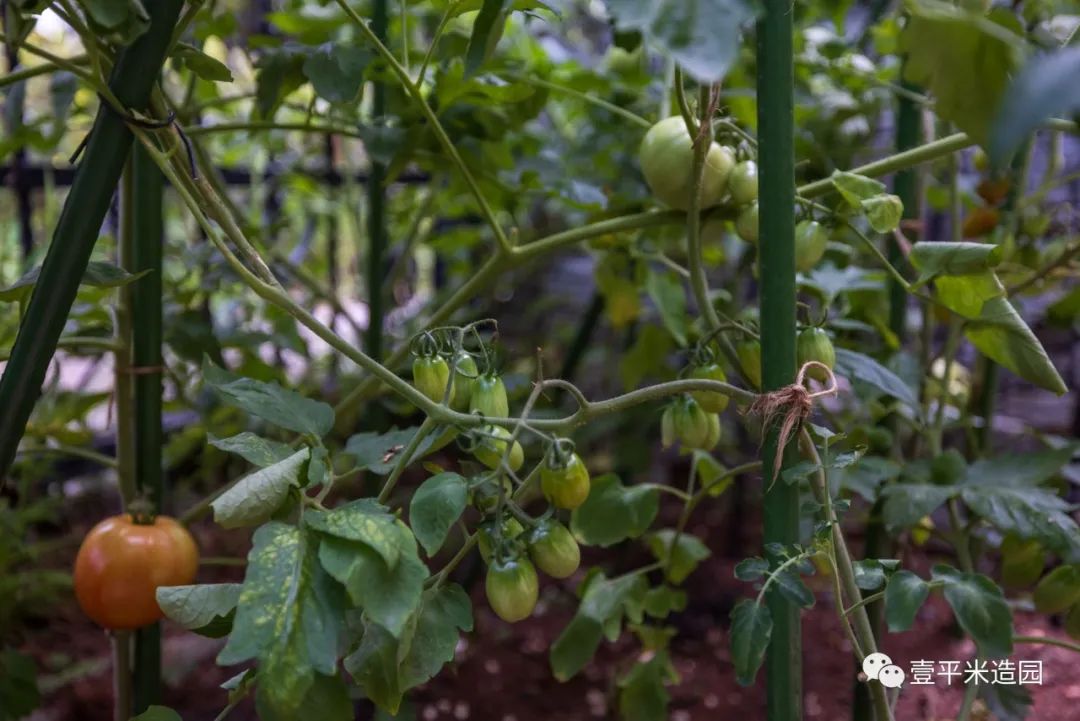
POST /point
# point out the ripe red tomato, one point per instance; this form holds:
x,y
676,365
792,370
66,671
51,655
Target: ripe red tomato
x,y
121,564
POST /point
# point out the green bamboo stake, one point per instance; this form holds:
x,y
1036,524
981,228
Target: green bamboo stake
x,y
776,160
376,225
77,230
146,339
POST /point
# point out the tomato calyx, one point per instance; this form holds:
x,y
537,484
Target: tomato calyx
x,y
141,510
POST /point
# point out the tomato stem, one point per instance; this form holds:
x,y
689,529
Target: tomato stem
x,y
122,697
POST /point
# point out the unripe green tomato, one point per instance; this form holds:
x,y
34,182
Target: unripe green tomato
x,y
485,497
814,345
431,374
667,427
920,532
880,439
485,535
667,159
465,375
958,384
711,401
512,589
566,484
748,351
746,225
713,436
554,550
743,183
489,451
489,397
1022,561
811,240
691,423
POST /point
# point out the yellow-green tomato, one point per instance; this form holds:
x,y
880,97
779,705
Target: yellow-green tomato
x,y
485,535
814,345
691,423
746,224
565,482
811,240
667,427
431,374
743,183
485,496
711,401
748,351
667,159
489,397
489,450
554,550
512,589
465,374
713,436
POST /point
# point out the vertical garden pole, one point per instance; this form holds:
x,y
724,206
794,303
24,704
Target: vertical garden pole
x,y
376,193
77,229
776,160
145,296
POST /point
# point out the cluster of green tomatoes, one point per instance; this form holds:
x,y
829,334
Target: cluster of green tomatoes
x,y
729,181
512,543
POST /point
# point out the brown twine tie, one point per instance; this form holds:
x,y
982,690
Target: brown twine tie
x,y
790,405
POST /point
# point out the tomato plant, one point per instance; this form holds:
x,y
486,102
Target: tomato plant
x,y
414,296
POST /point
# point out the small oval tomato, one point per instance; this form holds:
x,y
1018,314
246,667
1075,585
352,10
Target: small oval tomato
x,y
811,240
512,589
746,225
565,482
465,375
667,427
690,422
711,401
485,535
121,564
489,451
713,436
431,374
554,550
667,160
1058,590
485,496
748,351
489,397
743,183
814,345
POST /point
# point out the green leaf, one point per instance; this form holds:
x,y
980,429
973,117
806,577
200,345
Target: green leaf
x,y
378,452
326,700
254,449
905,594
864,369
948,258
870,574
907,503
751,569
269,401
883,212
980,608
703,36
751,628
435,507
1058,590
364,521
486,32
680,557
256,496
18,685
669,295
866,476
157,713
1045,87
642,696
201,64
855,188
662,600
279,72
288,616
387,595
386,667
1001,335
1008,701
336,71
117,21
602,605
614,512
648,356
206,609
98,275
946,47
791,586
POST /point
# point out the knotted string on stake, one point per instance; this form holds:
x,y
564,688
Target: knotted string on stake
x,y
790,406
